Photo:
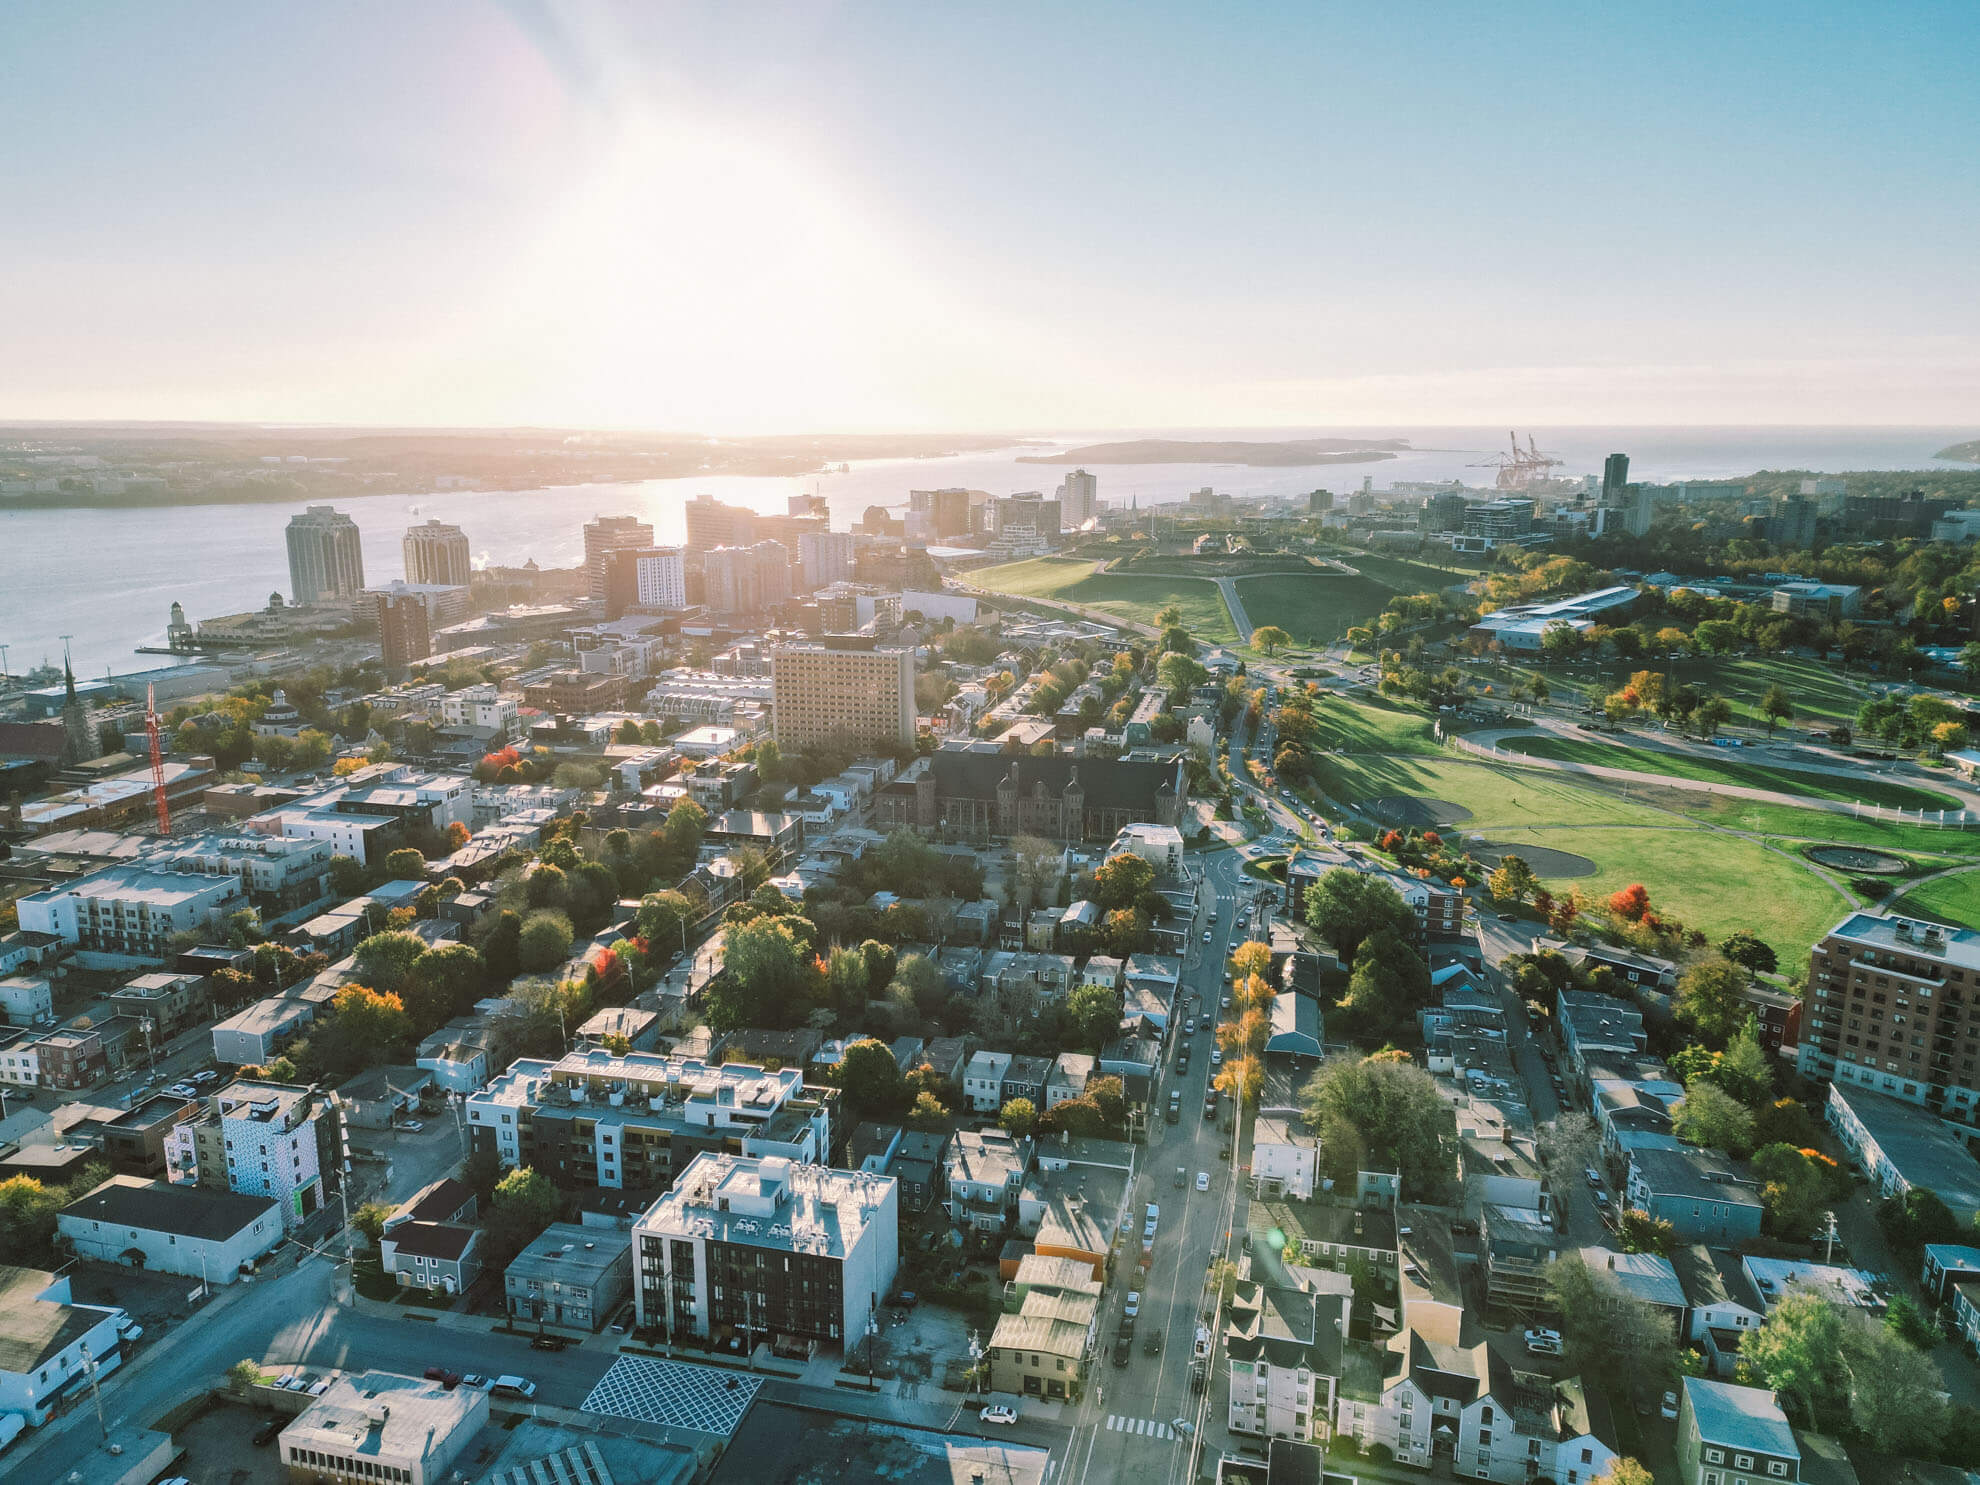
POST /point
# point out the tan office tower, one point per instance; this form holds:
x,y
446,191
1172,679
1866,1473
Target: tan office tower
x,y
437,553
604,534
326,561
711,524
843,693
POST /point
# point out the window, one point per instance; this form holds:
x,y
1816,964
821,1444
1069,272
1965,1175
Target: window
x,y
1743,1461
1711,1477
1776,1467
1715,1456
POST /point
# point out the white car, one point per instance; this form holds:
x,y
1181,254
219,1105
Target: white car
x,y
203,1078
182,1090
411,1126
1543,1342
1669,1409
1216,1056
1203,1180
998,1413
1133,1305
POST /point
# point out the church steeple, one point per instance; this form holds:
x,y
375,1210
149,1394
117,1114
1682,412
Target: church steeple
x,y
80,743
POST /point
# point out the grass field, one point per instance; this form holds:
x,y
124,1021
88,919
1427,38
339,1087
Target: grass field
x,y
1951,899
1405,576
1374,727
1729,771
1139,599
1703,876
1314,609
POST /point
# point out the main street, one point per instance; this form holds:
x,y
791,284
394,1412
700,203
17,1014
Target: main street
x,y
1121,1430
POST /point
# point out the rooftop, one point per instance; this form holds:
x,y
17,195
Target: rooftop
x,y
770,1202
33,1329
205,1213
1910,936
571,1254
1737,1417
386,1415
1917,1145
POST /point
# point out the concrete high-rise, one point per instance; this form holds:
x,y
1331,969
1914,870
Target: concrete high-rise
x,y
437,553
654,577
1079,499
604,534
824,558
405,629
742,580
326,558
1615,479
843,693
711,524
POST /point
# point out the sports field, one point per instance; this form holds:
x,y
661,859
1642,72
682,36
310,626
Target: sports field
x,y
1870,790
1126,596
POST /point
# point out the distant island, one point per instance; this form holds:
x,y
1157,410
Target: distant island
x,y
1967,453
1173,451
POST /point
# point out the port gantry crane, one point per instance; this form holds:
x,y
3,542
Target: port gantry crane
x,y
157,760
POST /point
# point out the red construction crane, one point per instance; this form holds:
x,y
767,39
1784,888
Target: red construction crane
x,y
157,761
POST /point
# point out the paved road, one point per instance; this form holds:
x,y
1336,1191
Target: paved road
x,y
1121,1430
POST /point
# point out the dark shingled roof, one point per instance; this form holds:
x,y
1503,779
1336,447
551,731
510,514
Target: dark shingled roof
x,y
157,1206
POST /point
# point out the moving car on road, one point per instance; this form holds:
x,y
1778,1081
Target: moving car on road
x,y
1203,1180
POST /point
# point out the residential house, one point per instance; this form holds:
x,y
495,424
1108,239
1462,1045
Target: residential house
x,y
1721,1305
432,1242
1285,1155
1697,1192
983,1081
1649,1278
983,1170
1044,1349
1072,1200
1071,1072
1026,1078
871,1147
1945,1263
1904,1148
918,1167
1733,1435
570,1275
1589,1023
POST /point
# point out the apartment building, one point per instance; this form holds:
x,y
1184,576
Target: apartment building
x,y
264,1139
798,1255
482,707
131,911
570,1275
842,693
635,1121
1894,1007
1285,1342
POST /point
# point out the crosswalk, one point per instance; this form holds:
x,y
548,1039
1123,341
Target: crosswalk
x,y
1146,1427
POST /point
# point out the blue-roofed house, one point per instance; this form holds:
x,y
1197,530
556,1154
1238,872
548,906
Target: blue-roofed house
x,y
1733,1435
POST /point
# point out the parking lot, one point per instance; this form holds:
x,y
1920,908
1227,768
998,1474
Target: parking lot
x,y
220,1449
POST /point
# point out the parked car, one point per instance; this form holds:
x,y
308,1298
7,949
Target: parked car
x,y
547,1342
1133,1305
1123,1348
475,1380
1543,1342
1216,1056
411,1126
1669,1409
265,1435
513,1386
997,1413
182,1090
1593,1177
1181,1176
201,1079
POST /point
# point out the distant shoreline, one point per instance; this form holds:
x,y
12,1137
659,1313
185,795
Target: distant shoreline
x,y
1290,453
1966,453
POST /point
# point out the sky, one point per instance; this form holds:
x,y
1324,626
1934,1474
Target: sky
x,y
760,217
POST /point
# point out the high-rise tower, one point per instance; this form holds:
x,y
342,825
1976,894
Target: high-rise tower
x,y
326,558
437,553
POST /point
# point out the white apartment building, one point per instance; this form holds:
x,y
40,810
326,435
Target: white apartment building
x,y
278,874
26,1000
257,1139
776,1249
20,1063
1284,1348
1161,846
481,706
1285,1155
661,578
130,910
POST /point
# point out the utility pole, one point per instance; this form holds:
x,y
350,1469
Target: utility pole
x,y
95,1393
1828,1237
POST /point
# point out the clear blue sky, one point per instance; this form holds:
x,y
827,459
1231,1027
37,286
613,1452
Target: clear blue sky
x,y
739,217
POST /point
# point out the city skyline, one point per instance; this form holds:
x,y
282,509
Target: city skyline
x,y
780,220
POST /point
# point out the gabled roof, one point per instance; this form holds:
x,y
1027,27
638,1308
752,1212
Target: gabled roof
x,y
1737,1417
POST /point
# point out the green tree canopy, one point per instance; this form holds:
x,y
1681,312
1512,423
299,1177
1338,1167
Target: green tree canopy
x,y
1710,1116
1093,1016
1019,1117
1345,907
871,1080
545,941
1377,1113
523,1204
1711,996
385,959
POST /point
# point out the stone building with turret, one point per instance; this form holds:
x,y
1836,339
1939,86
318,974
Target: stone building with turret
x,y
973,794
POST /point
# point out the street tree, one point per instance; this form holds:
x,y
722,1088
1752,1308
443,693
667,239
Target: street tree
x,y
385,959
1093,1016
1711,998
870,1079
1708,1115
1251,958
1019,1117
1346,907
1513,881
1622,1342
523,1204
1376,1113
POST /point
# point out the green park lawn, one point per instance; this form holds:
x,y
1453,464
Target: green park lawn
x,y
1786,822
1405,576
1729,770
1138,599
1702,876
1314,608
1952,899
1374,727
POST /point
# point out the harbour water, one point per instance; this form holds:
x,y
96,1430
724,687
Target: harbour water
x,y
107,577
